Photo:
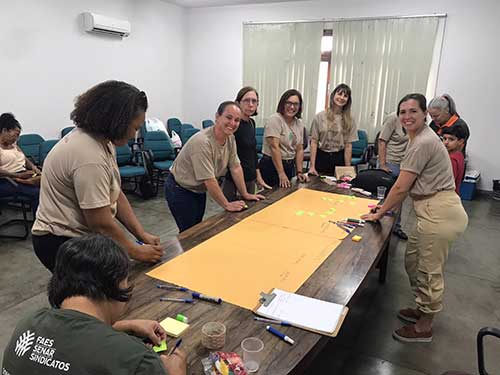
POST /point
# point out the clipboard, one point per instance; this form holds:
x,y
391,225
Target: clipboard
x,y
303,312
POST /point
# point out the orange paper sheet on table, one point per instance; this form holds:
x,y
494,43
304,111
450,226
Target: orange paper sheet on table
x,y
277,247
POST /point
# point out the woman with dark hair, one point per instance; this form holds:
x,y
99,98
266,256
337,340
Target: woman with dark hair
x,y
88,293
204,159
18,175
332,133
283,149
81,186
426,175
443,112
246,144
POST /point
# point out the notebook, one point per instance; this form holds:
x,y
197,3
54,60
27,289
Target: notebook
x,y
173,327
304,312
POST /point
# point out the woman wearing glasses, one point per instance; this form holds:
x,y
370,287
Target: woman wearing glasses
x,y
332,133
443,112
283,142
248,100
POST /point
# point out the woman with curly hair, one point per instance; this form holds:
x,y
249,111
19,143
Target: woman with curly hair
x,y
81,186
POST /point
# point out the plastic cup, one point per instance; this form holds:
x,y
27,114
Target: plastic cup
x,y
252,353
381,192
213,335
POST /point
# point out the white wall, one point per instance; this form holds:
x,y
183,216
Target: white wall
x,y
46,60
469,64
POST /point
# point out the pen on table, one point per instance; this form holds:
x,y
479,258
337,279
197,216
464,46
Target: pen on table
x,y
206,298
350,226
282,336
177,344
343,228
355,220
172,287
169,299
272,321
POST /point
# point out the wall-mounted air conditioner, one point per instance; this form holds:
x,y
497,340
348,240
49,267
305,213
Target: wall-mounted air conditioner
x,y
97,23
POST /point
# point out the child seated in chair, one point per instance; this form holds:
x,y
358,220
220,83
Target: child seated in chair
x,y
454,138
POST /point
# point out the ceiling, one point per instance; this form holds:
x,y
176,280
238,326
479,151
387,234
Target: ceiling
x,y
215,3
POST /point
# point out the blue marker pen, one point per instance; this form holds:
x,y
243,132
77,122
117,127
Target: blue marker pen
x,y
172,287
177,344
343,228
139,242
282,336
272,321
169,299
206,298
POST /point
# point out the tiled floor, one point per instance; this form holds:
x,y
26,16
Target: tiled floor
x,y
365,345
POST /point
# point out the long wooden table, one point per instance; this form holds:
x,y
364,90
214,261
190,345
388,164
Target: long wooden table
x,y
336,280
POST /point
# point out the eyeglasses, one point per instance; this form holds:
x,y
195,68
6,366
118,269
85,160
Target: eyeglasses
x,y
292,104
250,101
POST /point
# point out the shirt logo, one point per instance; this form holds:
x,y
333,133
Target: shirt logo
x,y
24,343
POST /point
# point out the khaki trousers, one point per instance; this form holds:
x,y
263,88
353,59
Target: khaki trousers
x,y
440,220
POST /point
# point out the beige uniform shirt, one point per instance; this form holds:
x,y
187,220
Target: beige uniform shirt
x,y
331,137
427,157
289,136
397,140
79,173
202,158
12,160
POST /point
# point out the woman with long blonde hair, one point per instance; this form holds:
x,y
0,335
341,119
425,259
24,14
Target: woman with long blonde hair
x,y
332,133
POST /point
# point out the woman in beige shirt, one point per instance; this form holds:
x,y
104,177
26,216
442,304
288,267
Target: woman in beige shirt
x,y
426,174
81,186
18,175
283,149
332,133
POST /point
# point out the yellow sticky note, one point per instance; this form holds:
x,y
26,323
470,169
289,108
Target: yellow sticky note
x,y
160,348
356,238
173,327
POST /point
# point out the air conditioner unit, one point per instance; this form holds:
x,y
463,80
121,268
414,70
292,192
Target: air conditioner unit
x,y
97,23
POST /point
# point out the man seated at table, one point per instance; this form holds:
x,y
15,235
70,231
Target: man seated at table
x,y
81,333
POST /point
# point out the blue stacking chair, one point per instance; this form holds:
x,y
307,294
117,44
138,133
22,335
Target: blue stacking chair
x,y
45,148
162,152
66,130
259,136
174,124
207,123
188,132
18,201
30,145
359,148
130,167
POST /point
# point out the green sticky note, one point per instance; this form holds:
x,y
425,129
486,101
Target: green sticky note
x,y
311,213
322,216
332,210
160,348
300,213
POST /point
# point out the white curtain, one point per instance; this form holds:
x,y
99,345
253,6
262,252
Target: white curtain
x,y
278,57
382,60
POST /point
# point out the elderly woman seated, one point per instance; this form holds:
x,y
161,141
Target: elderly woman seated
x,y
18,175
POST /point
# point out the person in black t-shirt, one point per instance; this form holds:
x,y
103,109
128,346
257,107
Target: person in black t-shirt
x,y
248,100
81,333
